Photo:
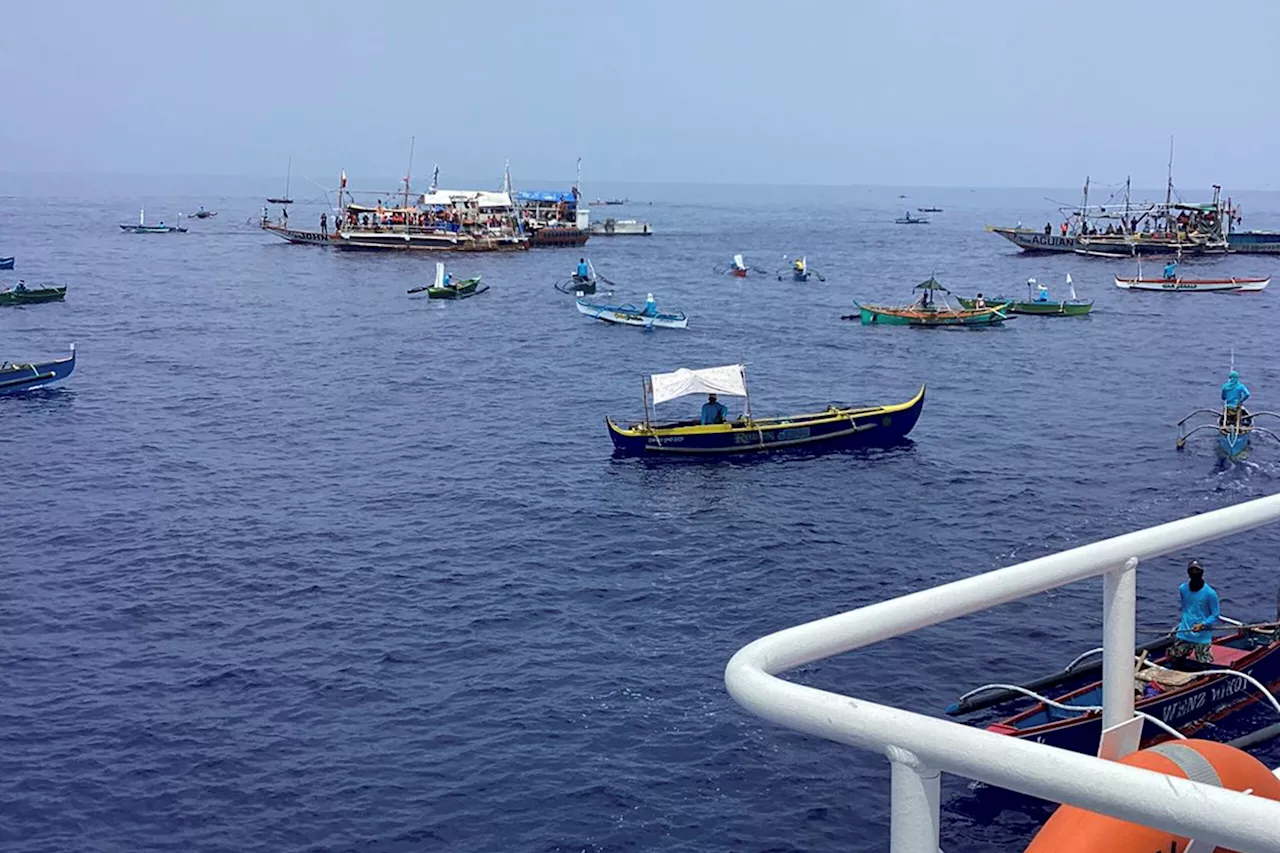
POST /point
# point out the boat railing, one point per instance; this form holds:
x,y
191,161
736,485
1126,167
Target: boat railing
x,y
920,747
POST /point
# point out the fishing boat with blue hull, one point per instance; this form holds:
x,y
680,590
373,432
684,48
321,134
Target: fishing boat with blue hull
x,y
1233,427
648,316
18,378
835,428
1183,695
6,263
799,270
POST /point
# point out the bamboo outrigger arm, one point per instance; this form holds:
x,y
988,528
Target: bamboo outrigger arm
x,y
1182,437
1214,412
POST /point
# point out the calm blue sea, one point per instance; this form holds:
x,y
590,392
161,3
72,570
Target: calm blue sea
x,y
295,562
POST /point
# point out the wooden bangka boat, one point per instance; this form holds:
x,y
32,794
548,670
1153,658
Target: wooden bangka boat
x,y
926,311
835,428
31,296
908,219
143,228
6,263
629,315
202,214
1185,695
799,270
1034,305
16,378
1188,285
928,210
448,289
1234,428
738,268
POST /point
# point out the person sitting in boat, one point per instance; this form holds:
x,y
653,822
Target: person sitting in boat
x,y
799,265
1042,293
584,271
1200,611
650,307
979,302
1170,270
20,287
714,412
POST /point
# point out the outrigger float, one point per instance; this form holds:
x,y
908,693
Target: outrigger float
x,y
835,428
17,378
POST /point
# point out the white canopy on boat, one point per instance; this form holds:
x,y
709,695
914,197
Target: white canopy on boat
x,y
729,379
480,198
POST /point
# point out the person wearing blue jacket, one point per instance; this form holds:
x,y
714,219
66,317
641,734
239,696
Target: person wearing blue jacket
x,y
714,412
1234,392
584,271
1200,610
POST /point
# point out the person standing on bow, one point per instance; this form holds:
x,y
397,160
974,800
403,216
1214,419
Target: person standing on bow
x,y
1234,393
1200,610
1170,270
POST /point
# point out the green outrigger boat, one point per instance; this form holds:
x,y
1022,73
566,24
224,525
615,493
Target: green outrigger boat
x,y
930,309
1042,307
31,296
448,289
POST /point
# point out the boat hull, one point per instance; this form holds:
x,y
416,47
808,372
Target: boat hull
x,y
32,297
875,315
834,429
1209,699
553,235
1254,242
153,229
1181,285
20,378
629,315
463,289
622,228
430,241
297,236
1041,309
1032,241
6,263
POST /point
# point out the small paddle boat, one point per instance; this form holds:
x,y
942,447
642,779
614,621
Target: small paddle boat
x,y
1038,302
799,270
928,210
838,427
908,219
579,285
738,268
202,214
1191,285
445,287
1233,425
6,263
930,309
20,294
16,378
143,228
629,315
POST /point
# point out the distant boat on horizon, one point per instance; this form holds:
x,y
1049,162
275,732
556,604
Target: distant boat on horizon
x,y
287,175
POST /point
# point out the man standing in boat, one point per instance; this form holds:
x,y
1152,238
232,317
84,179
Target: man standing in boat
x,y
1170,271
324,225
584,271
1234,393
1199,613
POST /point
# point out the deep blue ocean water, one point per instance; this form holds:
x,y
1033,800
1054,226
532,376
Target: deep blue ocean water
x,y
296,562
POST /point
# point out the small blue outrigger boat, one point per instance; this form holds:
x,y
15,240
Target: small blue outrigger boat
x,y
647,316
16,378
1182,694
835,428
6,263
1234,427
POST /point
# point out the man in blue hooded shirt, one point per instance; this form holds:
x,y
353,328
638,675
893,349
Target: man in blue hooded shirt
x,y
714,412
1170,271
1199,613
584,272
1234,392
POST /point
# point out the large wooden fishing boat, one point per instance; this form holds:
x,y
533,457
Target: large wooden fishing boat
x,y
835,428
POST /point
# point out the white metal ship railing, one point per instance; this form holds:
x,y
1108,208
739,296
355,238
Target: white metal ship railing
x,y
919,747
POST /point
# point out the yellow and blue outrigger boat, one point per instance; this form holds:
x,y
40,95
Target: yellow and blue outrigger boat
x,y
835,428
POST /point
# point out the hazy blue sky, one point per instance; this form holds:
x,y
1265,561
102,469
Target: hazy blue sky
x,y
936,93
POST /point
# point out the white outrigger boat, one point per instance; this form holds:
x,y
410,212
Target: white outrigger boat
x,y
1189,285
647,316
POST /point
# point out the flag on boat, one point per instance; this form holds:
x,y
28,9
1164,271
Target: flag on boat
x,y
1072,286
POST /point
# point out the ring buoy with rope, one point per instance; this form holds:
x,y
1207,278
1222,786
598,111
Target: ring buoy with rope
x,y
1076,830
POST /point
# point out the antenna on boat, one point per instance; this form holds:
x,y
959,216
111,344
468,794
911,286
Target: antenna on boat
x,y
407,173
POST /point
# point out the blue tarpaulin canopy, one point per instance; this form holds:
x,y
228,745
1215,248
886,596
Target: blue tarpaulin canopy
x,y
553,196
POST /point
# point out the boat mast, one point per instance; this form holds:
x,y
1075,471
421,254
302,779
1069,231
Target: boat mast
x,y
1168,192
288,174
1124,225
407,173
1084,205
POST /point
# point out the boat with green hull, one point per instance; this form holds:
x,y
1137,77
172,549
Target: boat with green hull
x,y
23,295
446,288
930,309
1037,303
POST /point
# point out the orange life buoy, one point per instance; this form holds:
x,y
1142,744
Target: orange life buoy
x,y
1075,830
